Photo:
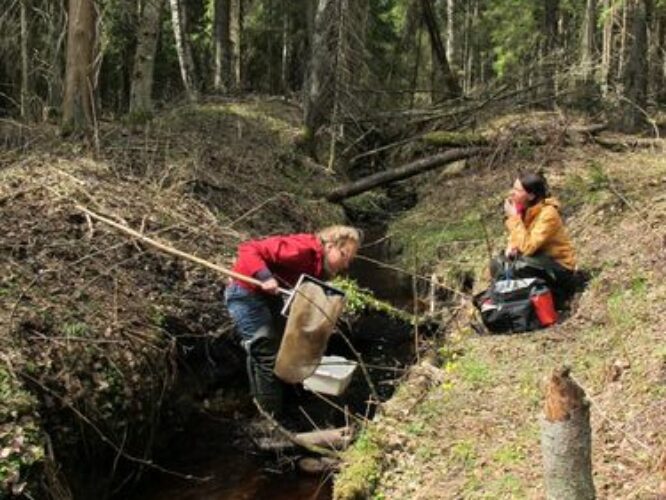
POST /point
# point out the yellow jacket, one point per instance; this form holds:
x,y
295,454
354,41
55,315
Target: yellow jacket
x,y
542,230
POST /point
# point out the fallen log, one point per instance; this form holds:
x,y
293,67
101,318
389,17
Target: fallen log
x,y
326,442
323,442
566,442
624,143
574,134
403,172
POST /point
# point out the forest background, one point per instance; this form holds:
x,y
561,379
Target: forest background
x,y
161,111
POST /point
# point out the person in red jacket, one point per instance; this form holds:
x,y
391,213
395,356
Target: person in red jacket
x,y
278,261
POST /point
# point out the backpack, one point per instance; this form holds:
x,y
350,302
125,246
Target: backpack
x,y
516,305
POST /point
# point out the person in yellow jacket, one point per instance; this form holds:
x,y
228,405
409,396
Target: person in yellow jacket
x,y
538,243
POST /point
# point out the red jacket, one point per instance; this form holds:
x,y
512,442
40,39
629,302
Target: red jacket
x,y
283,257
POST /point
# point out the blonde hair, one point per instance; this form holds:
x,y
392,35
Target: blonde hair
x,y
339,235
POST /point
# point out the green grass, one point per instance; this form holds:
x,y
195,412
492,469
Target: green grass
x,y
75,329
474,371
359,478
464,453
508,454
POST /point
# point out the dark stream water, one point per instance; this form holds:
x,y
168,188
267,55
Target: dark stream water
x,y
210,446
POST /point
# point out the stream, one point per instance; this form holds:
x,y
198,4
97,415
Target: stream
x,y
219,448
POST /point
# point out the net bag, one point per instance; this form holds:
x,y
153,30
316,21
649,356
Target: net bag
x,y
312,317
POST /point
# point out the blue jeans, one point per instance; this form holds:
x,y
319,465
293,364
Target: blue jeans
x,y
260,325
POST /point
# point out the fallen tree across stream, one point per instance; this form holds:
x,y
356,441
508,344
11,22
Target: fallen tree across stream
x,y
470,145
404,172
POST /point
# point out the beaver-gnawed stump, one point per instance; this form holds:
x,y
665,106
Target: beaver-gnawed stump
x,y
566,440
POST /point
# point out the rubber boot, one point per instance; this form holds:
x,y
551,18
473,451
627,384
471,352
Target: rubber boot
x,y
264,385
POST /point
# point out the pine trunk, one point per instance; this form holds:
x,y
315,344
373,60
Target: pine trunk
x,y
178,22
78,114
141,88
221,44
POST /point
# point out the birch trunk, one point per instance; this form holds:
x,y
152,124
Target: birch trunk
x,y
141,88
178,22
79,91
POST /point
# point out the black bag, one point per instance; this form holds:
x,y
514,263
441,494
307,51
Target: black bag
x,y
506,307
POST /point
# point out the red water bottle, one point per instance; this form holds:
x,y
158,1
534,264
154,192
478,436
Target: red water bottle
x,y
544,306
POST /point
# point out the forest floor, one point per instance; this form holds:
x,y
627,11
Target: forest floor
x,y
472,430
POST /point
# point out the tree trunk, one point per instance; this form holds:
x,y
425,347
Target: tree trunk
x,y
635,76
284,56
403,172
658,66
183,49
587,44
450,31
417,67
78,116
550,47
221,44
622,53
566,441
57,31
469,46
607,50
141,89
25,67
235,40
450,82
315,99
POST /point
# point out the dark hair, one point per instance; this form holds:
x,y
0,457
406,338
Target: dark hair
x,y
535,184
